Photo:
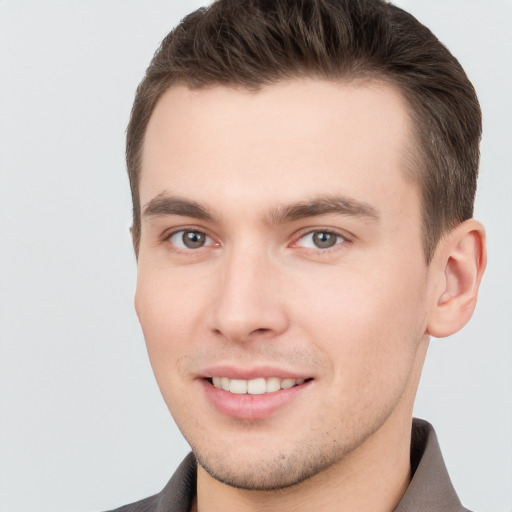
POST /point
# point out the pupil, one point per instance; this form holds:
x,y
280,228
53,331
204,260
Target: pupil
x,y
193,239
324,240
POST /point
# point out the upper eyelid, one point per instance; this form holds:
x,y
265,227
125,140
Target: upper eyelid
x,y
166,239
167,233
323,229
297,240
294,237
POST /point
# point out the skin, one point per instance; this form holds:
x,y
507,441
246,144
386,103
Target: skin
x,y
354,318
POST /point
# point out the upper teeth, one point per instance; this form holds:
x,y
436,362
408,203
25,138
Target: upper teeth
x,y
254,386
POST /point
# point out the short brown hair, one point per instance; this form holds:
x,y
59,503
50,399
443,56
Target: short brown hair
x,y
253,43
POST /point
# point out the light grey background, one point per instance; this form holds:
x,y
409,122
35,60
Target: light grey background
x,y
83,426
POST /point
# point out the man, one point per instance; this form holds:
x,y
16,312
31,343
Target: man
x,y
303,176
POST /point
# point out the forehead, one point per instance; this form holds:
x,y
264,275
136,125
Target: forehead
x,y
278,143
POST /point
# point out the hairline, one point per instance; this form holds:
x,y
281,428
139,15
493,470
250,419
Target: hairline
x,y
415,156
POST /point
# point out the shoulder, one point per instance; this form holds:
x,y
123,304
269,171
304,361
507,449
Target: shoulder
x,y
430,487
146,505
176,496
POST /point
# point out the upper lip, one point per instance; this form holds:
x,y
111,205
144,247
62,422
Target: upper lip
x,y
237,372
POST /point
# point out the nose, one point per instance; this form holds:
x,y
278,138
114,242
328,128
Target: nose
x,y
248,302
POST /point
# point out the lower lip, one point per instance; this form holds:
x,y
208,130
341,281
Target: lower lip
x,y
251,407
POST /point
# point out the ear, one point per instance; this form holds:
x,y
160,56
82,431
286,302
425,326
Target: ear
x,y
459,263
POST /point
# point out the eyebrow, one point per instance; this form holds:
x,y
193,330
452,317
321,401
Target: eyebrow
x,y
163,205
323,205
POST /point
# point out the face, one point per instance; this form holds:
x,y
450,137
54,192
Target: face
x,y
282,288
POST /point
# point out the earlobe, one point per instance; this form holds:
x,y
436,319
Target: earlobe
x,y
461,258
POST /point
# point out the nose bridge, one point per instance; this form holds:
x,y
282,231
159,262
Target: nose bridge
x,y
247,302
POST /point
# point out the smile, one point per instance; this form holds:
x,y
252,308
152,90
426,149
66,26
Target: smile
x,y
258,386
256,398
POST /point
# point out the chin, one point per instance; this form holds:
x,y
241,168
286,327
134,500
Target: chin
x,y
278,471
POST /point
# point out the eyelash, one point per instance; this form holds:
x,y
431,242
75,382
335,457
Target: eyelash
x,y
168,238
341,239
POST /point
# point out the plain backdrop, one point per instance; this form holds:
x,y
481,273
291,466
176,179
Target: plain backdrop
x,y
83,426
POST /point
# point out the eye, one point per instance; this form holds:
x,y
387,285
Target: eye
x,y
320,240
189,239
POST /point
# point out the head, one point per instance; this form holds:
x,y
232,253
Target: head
x,y
302,176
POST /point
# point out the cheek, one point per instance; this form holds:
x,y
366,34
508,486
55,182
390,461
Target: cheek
x,y
368,323
163,314
168,312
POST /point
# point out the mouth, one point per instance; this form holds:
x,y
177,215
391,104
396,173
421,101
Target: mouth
x,y
257,386
256,398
